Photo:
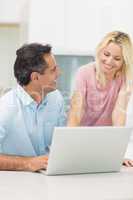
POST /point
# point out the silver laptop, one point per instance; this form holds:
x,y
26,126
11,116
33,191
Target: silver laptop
x,y
76,150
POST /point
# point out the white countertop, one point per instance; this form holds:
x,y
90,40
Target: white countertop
x,y
37,186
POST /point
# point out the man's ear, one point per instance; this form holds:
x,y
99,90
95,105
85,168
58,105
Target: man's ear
x,y
34,76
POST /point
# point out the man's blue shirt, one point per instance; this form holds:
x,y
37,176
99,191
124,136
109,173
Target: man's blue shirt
x,y
26,128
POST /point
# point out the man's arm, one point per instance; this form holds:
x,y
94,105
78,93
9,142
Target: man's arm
x,y
12,162
20,163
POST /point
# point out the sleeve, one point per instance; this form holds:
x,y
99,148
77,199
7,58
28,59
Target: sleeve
x,y
129,123
2,136
3,131
62,114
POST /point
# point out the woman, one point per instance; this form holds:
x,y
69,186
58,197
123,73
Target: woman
x,y
102,88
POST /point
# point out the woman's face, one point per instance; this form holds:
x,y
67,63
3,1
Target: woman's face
x,y
111,59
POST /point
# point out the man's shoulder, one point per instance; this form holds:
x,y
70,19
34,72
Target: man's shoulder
x,y
8,107
55,99
55,95
8,98
8,103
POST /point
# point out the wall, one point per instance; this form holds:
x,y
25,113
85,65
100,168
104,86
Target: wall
x,y
9,42
69,65
13,33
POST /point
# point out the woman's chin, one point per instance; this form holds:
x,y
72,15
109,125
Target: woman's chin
x,y
107,71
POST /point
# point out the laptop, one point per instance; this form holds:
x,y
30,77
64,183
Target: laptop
x,y
77,150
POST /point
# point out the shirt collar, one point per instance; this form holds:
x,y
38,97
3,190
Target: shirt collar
x,y
26,98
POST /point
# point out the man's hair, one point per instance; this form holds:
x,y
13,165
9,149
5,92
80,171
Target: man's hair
x,y
30,58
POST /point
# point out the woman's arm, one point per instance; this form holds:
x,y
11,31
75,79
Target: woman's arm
x,y
128,161
119,112
76,110
78,101
120,117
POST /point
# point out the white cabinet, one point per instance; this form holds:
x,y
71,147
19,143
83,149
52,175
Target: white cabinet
x,y
10,11
47,22
76,27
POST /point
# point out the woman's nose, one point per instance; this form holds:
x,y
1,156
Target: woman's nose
x,y
109,61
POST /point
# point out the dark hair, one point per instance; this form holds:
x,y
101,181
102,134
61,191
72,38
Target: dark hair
x,y
30,58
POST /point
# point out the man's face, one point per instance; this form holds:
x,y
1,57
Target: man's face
x,y
48,80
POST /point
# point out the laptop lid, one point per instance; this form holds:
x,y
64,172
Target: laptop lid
x,y
76,150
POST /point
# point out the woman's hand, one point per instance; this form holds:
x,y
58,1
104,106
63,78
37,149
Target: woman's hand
x,y
76,110
128,163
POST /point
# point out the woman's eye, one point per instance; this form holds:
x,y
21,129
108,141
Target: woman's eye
x,y
117,59
106,54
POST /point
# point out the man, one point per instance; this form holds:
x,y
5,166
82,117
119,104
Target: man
x,y
29,112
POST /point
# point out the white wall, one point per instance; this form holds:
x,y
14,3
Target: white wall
x,y
13,33
9,42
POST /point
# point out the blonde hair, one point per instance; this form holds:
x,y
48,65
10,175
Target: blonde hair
x,y
124,41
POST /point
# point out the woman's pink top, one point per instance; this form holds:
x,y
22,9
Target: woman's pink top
x,y
99,101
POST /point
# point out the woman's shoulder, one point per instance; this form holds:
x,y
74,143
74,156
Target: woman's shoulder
x,y
84,70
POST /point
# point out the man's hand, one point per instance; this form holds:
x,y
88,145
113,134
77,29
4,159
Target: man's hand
x,y
128,163
37,163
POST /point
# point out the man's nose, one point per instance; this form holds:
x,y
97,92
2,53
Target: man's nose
x,y
58,71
